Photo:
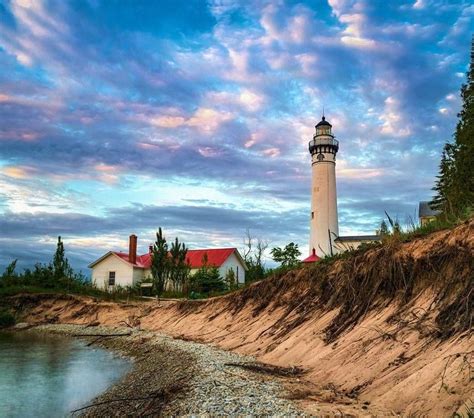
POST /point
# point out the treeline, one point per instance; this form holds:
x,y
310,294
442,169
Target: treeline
x,y
55,275
170,272
454,188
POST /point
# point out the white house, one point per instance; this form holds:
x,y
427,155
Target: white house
x,y
127,269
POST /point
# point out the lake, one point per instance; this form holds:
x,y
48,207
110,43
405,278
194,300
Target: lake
x,y
44,375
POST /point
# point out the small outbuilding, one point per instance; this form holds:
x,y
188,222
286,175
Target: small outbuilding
x,y
426,213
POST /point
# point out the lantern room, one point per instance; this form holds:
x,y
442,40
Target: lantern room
x,y
323,127
323,140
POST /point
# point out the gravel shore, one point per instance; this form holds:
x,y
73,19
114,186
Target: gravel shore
x,y
173,377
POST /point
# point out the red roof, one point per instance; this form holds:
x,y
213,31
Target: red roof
x,y
215,257
311,259
143,261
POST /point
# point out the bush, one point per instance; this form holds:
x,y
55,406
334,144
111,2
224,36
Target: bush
x,y
207,280
6,319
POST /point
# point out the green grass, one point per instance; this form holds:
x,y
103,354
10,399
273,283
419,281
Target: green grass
x,y
437,225
15,290
121,294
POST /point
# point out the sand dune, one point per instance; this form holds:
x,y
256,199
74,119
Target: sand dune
x,y
384,332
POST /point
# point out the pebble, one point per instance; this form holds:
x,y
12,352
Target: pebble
x,y
212,387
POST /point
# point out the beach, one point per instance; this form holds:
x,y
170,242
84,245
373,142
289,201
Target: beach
x,y
176,377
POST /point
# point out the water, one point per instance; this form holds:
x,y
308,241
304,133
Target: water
x,y
50,375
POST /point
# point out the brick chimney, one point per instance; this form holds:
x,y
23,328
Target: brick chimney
x,y
132,249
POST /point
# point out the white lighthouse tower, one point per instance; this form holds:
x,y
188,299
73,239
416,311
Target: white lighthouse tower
x,y
323,221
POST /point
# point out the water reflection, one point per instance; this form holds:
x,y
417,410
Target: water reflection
x,y
48,376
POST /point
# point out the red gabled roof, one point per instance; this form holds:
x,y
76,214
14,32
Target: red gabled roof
x,y
215,257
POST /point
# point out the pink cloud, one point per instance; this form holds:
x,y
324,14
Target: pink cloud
x,y
272,152
19,172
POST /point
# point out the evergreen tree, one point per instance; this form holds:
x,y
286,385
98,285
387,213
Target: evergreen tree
x,y
384,228
160,262
443,200
207,279
10,270
61,268
179,267
231,280
463,184
455,183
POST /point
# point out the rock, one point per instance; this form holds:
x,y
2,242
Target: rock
x,y
22,325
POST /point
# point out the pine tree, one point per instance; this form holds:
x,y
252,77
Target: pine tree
x,y
231,280
384,228
160,262
443,200
61,267
207,279
463,185
179,268
455,183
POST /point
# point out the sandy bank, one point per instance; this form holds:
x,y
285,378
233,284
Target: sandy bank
x,y
386,332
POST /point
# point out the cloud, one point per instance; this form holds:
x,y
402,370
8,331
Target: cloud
x,y
194,224
393,123
419,4
105,104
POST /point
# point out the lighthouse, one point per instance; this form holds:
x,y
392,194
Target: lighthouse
x,y
324,228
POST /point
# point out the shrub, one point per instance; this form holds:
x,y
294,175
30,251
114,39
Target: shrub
x,y
6,319
207,280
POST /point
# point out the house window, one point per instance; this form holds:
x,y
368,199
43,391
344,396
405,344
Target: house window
x,y
111,278
237,274
312,215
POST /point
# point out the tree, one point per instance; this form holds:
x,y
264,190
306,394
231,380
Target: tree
x,y
454,188
207,279
463,184
10,270
62,272
160,262
443,200
9,276
254,249
384,228
60,262
230,279
288,256
179,267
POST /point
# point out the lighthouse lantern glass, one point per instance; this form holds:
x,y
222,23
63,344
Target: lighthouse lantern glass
x,y
323,130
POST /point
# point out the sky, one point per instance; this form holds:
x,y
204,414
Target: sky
x,y
122,116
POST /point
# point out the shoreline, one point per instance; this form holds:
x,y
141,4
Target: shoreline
x,y
172,377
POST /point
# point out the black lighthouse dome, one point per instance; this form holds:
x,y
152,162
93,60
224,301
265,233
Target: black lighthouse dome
x,y
324,122
323,127
323,140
